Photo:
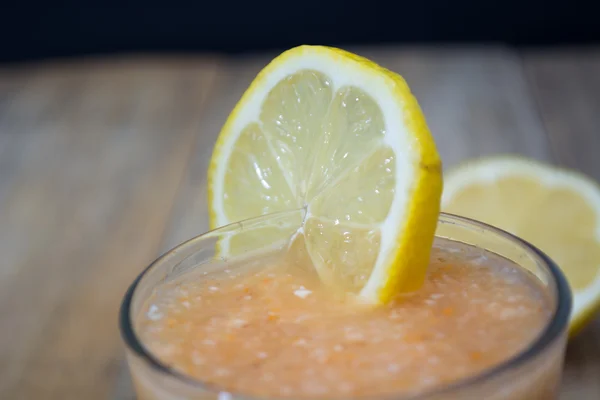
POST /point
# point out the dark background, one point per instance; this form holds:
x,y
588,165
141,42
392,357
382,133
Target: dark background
x,y
43,29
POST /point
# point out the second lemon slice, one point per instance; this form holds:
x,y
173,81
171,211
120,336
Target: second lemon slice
x,y
555,209
344,141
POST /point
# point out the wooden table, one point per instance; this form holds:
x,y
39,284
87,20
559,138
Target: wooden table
x,y
103,163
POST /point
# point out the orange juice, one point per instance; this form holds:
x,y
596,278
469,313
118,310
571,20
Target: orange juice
x,y
267,328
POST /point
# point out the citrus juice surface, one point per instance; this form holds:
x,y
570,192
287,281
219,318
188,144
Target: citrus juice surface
x,y
269,328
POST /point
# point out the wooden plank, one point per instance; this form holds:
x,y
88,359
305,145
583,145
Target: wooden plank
x,y
582,369
92,155
566,86
123,387
190,216
475,100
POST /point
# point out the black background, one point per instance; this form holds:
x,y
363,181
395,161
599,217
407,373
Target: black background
x,y
37,29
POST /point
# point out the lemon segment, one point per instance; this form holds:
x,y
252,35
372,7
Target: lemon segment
x,y
556,210
336,135
252,163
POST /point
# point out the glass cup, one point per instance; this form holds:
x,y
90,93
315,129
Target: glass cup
x,y
533,374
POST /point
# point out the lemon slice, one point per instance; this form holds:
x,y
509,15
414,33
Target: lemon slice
x,y
343,141
554,209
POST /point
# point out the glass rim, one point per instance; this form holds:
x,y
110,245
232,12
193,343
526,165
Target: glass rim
x,y
553,329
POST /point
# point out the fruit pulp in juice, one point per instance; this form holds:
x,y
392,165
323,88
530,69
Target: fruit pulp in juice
x,y
269,328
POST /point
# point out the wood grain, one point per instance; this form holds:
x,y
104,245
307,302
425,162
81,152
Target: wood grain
x,y
566,86
92,155
189,217
475,100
